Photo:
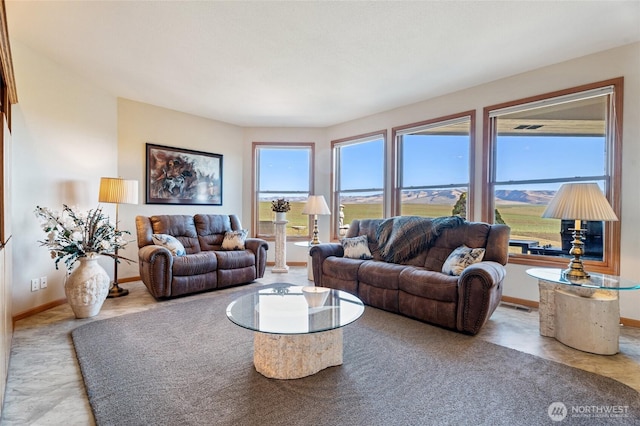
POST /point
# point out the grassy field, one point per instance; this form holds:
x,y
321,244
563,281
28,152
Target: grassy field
x,y
525,221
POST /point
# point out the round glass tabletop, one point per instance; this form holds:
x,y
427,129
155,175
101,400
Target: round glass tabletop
x,y
285,309
596,280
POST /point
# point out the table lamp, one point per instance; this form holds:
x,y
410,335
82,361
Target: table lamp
x,y
579,201
117,191
316,205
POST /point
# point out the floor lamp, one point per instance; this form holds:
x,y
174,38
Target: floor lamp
x,y
117,191
316,205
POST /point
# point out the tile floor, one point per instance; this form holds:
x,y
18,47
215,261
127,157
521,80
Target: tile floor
x,y
45,386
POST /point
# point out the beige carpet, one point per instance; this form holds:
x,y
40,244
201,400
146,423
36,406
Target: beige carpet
x,y
187,364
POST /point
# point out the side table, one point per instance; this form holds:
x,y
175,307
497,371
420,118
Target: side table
x,y
307,244
584,314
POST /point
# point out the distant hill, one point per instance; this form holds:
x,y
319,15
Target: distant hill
x,y
449,196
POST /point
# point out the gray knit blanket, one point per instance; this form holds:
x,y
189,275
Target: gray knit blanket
x,y
402,237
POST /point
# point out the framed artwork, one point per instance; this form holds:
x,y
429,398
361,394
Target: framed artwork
x,y
183,176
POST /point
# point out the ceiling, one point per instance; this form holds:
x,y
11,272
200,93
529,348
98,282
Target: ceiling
x,y
309,63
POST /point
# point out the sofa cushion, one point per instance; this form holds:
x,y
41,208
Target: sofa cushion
x,y
171,243
341,268
235,259
181,227
356,247
460,258
380,274
211,229
234,240
429,284
194,264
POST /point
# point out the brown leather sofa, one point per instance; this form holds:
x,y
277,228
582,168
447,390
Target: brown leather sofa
x,y
417,288
205,266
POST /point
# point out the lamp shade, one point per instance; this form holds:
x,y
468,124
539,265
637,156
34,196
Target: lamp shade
x,y
118,190
316,205
580,201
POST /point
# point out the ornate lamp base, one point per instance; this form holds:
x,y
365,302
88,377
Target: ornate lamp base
x,y
116,291
576,268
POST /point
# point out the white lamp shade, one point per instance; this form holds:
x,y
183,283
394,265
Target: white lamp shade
x,y
118,190
580,201
316,205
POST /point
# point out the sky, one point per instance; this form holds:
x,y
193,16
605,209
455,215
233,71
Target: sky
x,y
438,159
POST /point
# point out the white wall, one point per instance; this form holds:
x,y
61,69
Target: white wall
x,y
140,123
623,61
64,139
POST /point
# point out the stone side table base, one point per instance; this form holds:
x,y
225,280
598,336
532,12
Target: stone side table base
x,y
292,356
590,324
581,318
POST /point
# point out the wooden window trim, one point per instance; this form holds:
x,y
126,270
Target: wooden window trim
x,y
396,193
611,258
254,187
334,202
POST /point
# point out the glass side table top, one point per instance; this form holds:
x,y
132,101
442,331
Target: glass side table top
x,y
596,280
283,309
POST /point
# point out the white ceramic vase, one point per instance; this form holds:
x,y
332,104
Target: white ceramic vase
x,y
87,287
281,216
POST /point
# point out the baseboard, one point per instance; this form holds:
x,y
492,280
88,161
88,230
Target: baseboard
x,y
627,322
38,309
289,264
523,302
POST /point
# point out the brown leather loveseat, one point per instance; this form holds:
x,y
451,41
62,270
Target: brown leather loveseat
x,y
200,260
417,286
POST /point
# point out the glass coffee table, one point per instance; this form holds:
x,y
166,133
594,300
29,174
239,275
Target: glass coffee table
x,y
295,334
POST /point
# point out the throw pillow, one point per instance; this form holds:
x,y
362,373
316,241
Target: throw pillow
x,y
460,258
170,242
234,240
357,247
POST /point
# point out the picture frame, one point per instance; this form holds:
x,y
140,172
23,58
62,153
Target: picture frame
x,y
182,176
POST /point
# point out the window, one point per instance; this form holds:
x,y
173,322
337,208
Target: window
x,y
433,164
282,171
358,172
536,145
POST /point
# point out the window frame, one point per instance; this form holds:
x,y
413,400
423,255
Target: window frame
x,y
610,263
255,190
396,157
335,175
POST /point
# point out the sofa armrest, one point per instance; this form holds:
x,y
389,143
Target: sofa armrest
x,y
259,247
318,253
479,294
156,263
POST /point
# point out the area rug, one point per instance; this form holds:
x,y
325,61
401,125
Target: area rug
x,y
187,364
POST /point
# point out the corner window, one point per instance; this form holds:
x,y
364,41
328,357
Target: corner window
x,y
358,172
433,163
282,171
537,145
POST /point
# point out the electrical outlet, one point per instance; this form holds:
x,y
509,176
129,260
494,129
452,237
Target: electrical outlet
x,y
43,282
35,284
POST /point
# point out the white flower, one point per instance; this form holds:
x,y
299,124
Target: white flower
x,y
71,235
52,236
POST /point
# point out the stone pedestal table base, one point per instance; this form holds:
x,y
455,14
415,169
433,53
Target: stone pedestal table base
x,y
582,318
292,356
